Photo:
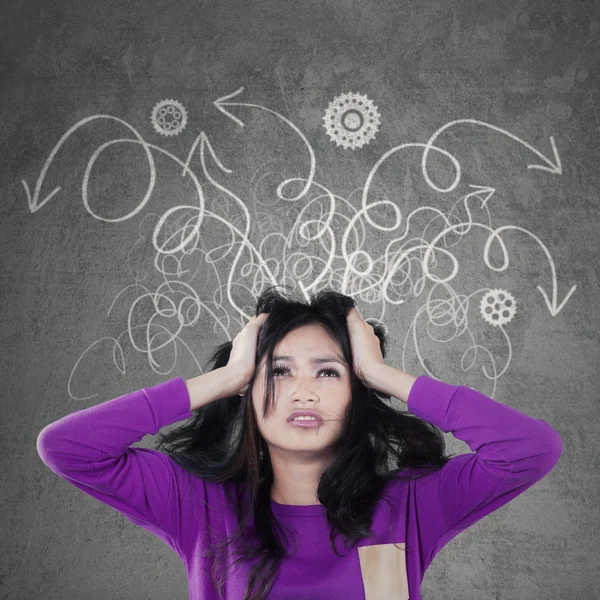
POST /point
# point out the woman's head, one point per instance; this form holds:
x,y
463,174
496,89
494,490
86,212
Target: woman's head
x,y
310,372
363,443
290,374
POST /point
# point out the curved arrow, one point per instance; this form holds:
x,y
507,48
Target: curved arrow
x,y
219,103
552,166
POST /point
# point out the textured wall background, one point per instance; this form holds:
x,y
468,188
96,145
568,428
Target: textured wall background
x,y
76,330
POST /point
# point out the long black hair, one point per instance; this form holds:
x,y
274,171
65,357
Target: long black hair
x,y
222,443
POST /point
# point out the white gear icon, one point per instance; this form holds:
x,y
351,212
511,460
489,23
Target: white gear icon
x,y
169,117
498,307
351,120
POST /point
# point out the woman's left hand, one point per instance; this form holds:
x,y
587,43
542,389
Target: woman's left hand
x,y
366,350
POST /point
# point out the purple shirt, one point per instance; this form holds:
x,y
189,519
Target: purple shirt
x,y
90,449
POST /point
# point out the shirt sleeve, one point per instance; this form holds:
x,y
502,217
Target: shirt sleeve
x,y
89,448
512,451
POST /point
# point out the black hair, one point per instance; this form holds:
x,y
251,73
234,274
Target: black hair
x,y
378,443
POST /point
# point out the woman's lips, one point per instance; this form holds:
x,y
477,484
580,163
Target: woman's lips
x,y
305,423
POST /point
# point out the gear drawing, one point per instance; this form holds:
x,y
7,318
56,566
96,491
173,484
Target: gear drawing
x,y
169,117
351,120
498,307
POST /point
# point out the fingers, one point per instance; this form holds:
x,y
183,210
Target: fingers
x,y
260,318
355,313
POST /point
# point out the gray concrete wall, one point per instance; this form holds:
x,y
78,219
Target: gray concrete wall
x,y
79,74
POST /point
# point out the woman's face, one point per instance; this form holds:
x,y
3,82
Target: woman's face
x,y
302,383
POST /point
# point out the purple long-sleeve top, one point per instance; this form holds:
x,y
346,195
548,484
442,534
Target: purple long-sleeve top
x,y
91,449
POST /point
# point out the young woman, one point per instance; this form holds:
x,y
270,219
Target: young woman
x,y
253,501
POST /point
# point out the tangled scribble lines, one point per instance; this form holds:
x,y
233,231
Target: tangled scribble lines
x,y
215,254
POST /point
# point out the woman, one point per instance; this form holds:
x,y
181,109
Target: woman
x,y
243,485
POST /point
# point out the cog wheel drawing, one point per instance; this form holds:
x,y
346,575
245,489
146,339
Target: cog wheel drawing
x,y
498,307
351,120
169,117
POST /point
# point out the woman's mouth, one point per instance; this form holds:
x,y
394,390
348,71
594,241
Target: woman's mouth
x,y
305,422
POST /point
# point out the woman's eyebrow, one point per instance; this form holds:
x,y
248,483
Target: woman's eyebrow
x,y
315,360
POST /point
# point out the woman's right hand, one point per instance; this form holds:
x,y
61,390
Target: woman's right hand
x,y
242,363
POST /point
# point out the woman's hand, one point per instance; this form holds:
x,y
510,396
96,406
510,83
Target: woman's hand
x,y
242,363
366,350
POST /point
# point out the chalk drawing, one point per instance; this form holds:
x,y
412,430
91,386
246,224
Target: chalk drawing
x,y
498,307
351,120
169,117
212,256
552,166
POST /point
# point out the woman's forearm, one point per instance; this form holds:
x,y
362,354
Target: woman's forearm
x,y
391,381
212,386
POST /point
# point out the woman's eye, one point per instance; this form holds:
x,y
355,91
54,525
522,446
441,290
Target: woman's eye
x,y
334,372
330,371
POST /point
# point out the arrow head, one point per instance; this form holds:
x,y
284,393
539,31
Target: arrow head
x,y
552,167
552,308
220,102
